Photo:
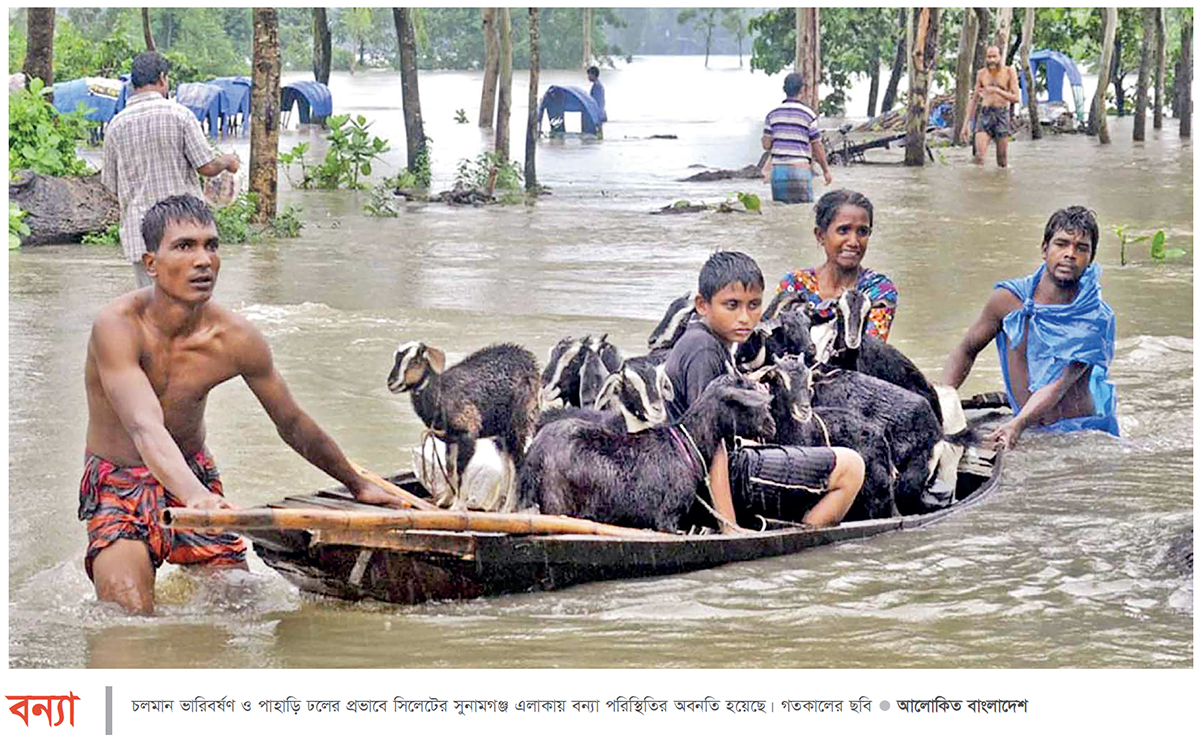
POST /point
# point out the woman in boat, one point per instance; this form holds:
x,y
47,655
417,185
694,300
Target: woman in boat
x,y
843,228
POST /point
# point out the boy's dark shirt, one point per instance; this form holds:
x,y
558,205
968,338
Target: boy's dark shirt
x,y
697,358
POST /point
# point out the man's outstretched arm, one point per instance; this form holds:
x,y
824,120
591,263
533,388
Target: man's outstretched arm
x,y
979,335
1041,402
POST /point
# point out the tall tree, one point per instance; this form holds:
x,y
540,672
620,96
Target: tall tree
x,y
1003,31
982,39
1160,64
264,113
414,127
703,20
39,45
889,95
1035,125
531,127
1098,122
964,83
808,53
491,69
1183,80
1143,78
322,47
146,32
922,62
587,37
504,92
733,21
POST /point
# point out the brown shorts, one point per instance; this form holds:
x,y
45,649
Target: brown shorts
x,y
993,121
126,503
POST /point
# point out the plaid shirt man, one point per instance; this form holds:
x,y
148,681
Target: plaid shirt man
x,y
152,149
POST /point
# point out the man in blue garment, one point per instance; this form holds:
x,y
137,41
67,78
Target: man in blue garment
x,y
1055,335
597,93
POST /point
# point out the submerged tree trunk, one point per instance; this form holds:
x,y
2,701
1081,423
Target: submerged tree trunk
x,y
322,46
531,127
1183,79
1160,64
587,38
889,95
964,82
414,127
146,32
1098,123
504,97
983,37
873,95
1035,125
808,54
922,61
39,45
491,70
1003,31
1117,78
1143,78
264,113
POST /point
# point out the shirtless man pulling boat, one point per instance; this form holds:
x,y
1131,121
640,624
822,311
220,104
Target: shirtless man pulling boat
x,y
153,356
996,88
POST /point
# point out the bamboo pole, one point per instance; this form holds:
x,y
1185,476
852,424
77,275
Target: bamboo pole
x,y
412,500
256,519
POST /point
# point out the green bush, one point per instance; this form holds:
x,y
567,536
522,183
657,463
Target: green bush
x,y
286,223
476,173
110,236
42,139
351,151
17,228
233,221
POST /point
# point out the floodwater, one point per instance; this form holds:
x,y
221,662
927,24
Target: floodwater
x,y
1063,567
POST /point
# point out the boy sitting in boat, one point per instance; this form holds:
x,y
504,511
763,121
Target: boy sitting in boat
x,y
152,358
729,305
1055,336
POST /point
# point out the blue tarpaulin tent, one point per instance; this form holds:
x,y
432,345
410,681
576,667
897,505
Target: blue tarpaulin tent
x,y
562,98
311,97
237,90
98,93
208,102
1058,67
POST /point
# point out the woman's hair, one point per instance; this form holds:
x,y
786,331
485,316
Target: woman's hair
x,y
828,205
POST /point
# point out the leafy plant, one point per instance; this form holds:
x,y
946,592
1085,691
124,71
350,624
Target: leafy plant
x,y
17,228
460,116
233,221
351,150
404,180
478,173
42,139
286,223
296,156
382,202
109,236
751,201
1158,244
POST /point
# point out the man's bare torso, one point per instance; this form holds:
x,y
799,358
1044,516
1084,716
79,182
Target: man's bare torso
x,y
181,370
1002,79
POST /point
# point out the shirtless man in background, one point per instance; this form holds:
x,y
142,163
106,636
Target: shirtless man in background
x,y
152,358
995,88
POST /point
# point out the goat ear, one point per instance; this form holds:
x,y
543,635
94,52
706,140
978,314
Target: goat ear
x,y
607,391
665,389
437,358
748,398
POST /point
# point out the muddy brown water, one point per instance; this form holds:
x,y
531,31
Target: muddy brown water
x,y
1062,567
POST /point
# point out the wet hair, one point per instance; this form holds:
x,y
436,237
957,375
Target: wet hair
x,y
792,84
594,70
147,68
181,208
1077,219
827,207
727,267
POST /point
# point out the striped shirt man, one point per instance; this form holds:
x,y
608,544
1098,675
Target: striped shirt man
x,y
792,127
152,149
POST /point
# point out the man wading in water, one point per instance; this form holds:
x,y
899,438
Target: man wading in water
x,y
996,87
153,356
1055,335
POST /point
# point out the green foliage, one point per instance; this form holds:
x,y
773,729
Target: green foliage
x,y
42,139
295,156
16,48
287,223
109,236
351,151
17,228
1158,244
382,200
476,173
76,55
750,201
460,116
233,221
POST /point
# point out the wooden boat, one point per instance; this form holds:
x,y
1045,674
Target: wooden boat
x,y
413,566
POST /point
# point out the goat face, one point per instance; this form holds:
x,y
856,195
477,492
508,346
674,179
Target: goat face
x,y
562,357
781,302
852,311
747,402
413,363
592,375
609,354
793,380
639,390
674,323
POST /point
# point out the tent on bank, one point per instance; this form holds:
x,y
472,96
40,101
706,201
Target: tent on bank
x,y
311,97
1058,68
562,98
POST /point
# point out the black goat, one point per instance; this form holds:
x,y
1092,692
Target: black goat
x,y
674,322
492,392
639,390
798,423
647,480
575,371
787,334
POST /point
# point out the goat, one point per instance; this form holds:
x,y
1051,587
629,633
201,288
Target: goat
x,y
576,370
639,390
789,333
492,392
647,480
851,348
674,323
798,423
